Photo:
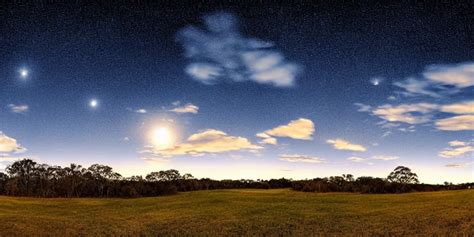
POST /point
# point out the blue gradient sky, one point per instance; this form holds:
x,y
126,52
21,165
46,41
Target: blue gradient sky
x,y
325,60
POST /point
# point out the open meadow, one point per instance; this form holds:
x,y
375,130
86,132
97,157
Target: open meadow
x,y
242,212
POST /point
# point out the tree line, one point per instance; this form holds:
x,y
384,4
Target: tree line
x,y
401,180
28,178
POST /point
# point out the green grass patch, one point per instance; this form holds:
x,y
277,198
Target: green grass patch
x,y
242,212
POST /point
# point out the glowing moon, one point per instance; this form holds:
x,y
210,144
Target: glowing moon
x,y
24,73
94,103
162,137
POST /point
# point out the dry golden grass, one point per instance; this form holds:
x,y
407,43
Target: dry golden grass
x,y
243,212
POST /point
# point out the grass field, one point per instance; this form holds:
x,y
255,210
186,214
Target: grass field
x,y
242,212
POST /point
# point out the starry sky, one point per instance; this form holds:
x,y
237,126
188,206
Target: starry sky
x,y
230,90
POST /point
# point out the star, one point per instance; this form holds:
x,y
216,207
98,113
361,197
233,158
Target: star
x,y
376,81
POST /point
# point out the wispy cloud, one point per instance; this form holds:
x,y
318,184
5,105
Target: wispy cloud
x,y
357,159
464,119
457,149
7,157
366,160
341,144
458,143
393,115
154,159
188,108
465,107
139,111
363,107
385,158
301,129
406,113
414,87
18,109
439,80
456,123
459,165
205,142
301,158
219,51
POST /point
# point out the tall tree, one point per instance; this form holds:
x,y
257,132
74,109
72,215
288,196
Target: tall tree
x,y
403,175
23,171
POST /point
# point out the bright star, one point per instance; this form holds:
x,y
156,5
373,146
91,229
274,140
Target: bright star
x,y
376,81
94,103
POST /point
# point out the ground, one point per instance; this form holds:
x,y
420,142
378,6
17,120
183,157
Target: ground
x,y
243,212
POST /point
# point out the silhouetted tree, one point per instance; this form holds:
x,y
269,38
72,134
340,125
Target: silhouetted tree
x,y
403,175
166,175
188,176
348,177
22,171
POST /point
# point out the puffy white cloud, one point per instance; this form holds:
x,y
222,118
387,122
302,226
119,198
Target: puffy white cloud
x,y
270,68
18,109
301,158
262,135
205,142
9,145
221,52
456,149
406,113
204,72
270,141
385,158
341,144
301,129
267,139
466,107
188,108
456,123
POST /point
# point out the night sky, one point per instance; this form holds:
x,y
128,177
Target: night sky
x,y
235,90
